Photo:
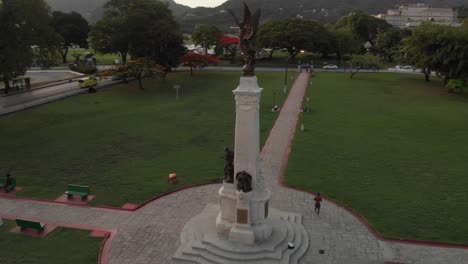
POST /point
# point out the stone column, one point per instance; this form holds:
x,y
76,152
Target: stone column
x,y
251,208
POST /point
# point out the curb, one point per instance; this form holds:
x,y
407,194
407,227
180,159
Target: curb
x,y
105,207
50,99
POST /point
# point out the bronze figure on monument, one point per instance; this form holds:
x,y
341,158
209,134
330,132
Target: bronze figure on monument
x,y
244,182
228,165
248,29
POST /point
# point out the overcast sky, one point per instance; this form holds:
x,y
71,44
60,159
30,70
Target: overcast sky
x,y
195,3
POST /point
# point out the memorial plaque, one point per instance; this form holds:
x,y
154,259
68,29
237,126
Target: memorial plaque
x,y
242,216
266,209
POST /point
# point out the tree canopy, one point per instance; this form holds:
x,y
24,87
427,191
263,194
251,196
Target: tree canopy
x,y
196,60
72,28
364,61
366,27
109,35
294,35
388,43
143,28
23,24
206,36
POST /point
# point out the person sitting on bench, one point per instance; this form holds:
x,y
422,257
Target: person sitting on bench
x,y
8,186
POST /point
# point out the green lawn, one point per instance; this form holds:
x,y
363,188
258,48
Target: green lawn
x,y
123,142
391,147
60,246
102,59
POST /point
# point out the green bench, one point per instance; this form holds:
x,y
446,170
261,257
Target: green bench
x,y
3,180
23,224
74,189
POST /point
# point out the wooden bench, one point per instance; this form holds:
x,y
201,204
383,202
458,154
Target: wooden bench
x,y
74,189
23,224
3,180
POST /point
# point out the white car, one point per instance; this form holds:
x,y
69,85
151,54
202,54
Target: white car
x,y
330,67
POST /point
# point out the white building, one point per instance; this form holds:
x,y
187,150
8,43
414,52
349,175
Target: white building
x,y
414,15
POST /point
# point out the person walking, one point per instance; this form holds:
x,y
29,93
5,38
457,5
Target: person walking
x,y
318,200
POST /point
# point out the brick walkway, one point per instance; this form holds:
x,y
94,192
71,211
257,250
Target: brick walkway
x,y
151,234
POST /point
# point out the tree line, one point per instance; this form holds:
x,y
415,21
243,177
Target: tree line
x,y
147,29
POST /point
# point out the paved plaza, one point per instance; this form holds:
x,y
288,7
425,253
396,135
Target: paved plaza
x,y
151,234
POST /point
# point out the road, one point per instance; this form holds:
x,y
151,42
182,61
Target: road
x,y
32,98
50,75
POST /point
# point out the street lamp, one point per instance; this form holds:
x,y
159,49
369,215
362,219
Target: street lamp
x,y
177,88
285,88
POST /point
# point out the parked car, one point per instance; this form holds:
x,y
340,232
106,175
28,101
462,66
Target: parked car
x,y
88,82
407,67
330,67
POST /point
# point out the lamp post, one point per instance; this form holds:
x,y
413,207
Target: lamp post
x,y
177,88
274,99
285,88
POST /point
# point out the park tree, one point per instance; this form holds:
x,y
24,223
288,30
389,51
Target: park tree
x,y
23,24
206,36
108,36
366,27
344,42
72,28
155,33
364,61
230,44
196,60
388,43
438,48
294,35
139,69
142,28
451,57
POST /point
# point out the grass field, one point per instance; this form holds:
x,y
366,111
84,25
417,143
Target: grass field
x,y
390,146
60,246
102,59
124,142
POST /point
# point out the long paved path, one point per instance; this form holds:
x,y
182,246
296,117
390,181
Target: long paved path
x,y
152,233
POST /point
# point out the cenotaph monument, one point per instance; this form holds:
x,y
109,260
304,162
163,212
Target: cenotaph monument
x,y
242,228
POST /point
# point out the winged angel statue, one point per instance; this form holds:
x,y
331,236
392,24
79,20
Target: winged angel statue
x,y
248,29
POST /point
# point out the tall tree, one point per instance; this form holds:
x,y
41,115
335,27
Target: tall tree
x,y
206,36
366,27
23,24
438,48
143,28
344,42
108,35
293,35
155,33
388,43
73,29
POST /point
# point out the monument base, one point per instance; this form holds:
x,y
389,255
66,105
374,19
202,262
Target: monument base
x,y
227,202
243,234
201,243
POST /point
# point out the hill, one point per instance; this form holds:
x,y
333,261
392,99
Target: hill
x,y
322,10
92,9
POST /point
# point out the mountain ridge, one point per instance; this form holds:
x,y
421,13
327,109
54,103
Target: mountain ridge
x,y
322,10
